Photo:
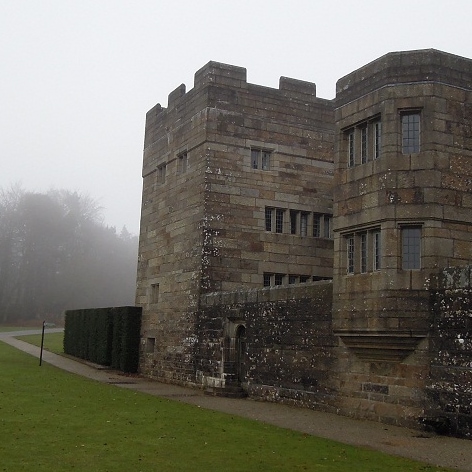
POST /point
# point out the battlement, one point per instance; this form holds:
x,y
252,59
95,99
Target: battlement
x,y
226,75
426,65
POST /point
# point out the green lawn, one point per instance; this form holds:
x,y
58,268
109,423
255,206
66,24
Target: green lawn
x,y
54,420
4,329
53,342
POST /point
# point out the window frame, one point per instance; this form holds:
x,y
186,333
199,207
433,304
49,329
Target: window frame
x,y
364,144
267,279
410,131
317,224
327,226
377,139
376,250
279,279
411,246
260,158
304,215
161,173
351,148
363,252
155,293
269,218
294,221
279,220
350,254
182,162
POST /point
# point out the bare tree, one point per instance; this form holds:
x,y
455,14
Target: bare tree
x,y
55,254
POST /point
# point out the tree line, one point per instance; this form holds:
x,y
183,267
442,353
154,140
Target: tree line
x,y
56,254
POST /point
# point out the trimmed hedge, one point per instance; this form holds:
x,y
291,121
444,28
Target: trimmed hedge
x,y
106,336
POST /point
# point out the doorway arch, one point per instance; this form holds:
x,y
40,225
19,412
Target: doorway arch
x,y
240,351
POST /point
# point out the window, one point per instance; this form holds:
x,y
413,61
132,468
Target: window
x,y
317,225
350,149
363,140
182,163
161,173
293,221
150,345
279,279
376,248
317,278
410,132
279,220
265,160
377,139
327,219
260,159
268,218
364,144
363,251
350,254
298,222
363,244
271,279
267,278
154,293
322,225
303,224
411,247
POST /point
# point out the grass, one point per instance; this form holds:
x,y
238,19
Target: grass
x,y
4,329
53,342
54,420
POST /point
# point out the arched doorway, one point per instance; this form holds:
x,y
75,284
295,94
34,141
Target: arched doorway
x,y
240,341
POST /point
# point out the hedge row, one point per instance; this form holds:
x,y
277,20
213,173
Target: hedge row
x,y
105,336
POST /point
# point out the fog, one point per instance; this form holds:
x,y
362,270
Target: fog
x,y
55,254
77,77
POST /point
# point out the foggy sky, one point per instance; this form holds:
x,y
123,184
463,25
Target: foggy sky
x,y
78,76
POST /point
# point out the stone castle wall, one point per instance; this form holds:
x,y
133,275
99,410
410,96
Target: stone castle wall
x,y
288,343
294,357
371,344
449,387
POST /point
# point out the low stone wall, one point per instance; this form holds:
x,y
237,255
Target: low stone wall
x,y
288,342
450,387
292,356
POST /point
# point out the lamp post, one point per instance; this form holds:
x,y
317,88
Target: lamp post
x,y
42,344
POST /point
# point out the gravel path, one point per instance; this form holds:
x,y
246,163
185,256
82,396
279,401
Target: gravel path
x,y
432,449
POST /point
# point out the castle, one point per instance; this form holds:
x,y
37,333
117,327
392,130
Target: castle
x,y
313,251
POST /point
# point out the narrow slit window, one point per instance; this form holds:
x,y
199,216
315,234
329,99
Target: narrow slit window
x,y
154,293
293,221
182,163
351,149
161,173
350,254
317,225
377,139
363,243
268,218
364,145
376,250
